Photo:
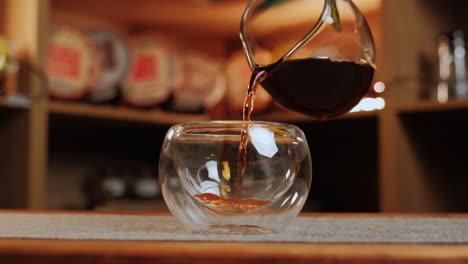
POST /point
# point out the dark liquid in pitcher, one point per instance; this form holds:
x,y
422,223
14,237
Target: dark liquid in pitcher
x,y
319,87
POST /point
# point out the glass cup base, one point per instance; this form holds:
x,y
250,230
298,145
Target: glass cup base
x,y
239,229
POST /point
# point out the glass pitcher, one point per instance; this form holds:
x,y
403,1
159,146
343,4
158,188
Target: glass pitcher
x,y
323,53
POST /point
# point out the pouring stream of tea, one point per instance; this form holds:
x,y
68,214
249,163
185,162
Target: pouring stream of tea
x,y
258,75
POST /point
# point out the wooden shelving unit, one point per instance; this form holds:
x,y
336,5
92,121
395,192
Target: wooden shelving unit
x,y
396,158
23,134
422,143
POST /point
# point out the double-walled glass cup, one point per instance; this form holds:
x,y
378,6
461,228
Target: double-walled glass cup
x,y
209,186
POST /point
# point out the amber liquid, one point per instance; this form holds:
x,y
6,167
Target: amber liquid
x,y
258,75
231,205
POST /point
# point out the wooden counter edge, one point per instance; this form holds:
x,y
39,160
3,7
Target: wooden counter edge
x,y
92,251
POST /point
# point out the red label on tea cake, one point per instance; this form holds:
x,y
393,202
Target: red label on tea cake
x,y
145,68
151,77
64,61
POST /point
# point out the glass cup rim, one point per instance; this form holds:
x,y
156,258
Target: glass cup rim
x,y
228,129
239,123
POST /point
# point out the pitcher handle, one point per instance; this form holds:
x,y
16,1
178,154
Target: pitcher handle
x,y
252,5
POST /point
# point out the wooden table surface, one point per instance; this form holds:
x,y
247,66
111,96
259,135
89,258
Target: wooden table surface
x,y
84,251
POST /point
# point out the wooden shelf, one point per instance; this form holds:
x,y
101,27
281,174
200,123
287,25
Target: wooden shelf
x,y
290,116
121,113
431,106
187,17
163,117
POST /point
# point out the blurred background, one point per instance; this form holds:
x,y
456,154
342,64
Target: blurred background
x,y
89,88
